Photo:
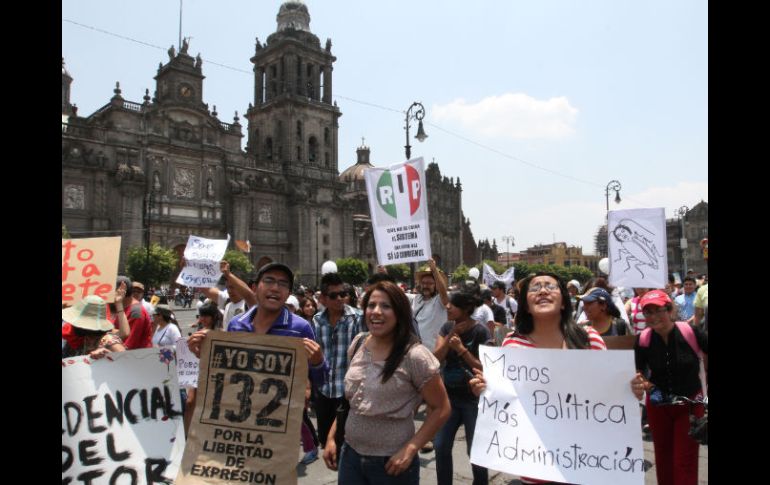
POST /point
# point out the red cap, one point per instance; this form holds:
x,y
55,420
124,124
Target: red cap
x,y
654,297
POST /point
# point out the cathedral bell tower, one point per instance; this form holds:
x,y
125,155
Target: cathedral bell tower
x,y
292,122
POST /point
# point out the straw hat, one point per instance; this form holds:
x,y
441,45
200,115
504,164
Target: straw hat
x,y
88,314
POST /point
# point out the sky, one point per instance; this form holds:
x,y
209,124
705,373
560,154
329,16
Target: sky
x,y
535,105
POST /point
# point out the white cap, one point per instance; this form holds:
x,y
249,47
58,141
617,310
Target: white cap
x,y
292,300
576,284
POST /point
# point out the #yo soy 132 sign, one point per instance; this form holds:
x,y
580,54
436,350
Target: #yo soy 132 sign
x,y
398,203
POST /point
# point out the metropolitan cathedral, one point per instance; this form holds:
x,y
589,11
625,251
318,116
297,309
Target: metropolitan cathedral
x,y
169,167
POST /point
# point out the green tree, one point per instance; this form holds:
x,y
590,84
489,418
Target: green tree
x,y
400,272
240,265
162,263
65,234
460,273
352,270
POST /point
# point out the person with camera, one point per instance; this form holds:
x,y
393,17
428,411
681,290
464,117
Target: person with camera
x,y
668,353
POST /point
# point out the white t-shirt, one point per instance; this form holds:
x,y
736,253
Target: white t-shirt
x,y
232,310
483,315
509,310
430,315
167,335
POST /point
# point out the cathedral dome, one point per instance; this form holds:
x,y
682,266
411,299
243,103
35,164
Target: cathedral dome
x,y
354,174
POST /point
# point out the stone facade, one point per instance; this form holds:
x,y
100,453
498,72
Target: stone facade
x,y
170,166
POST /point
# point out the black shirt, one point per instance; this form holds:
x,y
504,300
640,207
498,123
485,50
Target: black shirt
x,y
453,373
674,366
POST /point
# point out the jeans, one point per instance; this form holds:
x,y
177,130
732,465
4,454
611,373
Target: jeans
x,y
464,411
355,469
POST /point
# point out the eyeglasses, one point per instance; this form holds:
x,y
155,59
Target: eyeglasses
x,y
551,287
270,281
334,294
648,311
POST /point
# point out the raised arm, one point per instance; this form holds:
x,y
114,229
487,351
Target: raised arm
x,y
238,285
123,327
440,283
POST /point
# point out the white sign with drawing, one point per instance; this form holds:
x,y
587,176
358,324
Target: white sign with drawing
x,y
563,415
637,248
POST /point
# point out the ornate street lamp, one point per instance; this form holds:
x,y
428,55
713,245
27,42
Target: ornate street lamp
x,y
613,185
418,114
682,212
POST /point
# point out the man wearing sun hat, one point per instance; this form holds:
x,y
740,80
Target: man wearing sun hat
x,y
429,306
139,321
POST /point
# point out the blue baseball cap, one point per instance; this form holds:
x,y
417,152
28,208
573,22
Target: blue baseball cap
x,y
600,294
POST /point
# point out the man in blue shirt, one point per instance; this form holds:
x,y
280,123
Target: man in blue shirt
x,y
334,328
685,302
270,316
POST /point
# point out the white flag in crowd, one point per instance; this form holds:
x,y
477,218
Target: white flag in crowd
x,y
490,276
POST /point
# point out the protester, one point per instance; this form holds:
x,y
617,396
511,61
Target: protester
x,y
602,314
139,322
701,304
685,303
634,310
137,291
209,317
457,349
388,376
308,308
429,306
335,328
167,331
232,301
616,294
673,367
501,330
544,321
88,320
509,304
269,317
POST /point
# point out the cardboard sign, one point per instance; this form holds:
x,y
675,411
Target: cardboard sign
x,y
561,415
248,411
636,242
89,266
398,203
186,364
202,256
121,418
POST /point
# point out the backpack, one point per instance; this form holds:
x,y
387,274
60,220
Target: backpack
x,y
689,335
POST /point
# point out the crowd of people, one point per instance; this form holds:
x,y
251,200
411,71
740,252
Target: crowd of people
x,y
378,354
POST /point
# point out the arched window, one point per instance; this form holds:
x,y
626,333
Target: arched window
x,y
269,148
326,136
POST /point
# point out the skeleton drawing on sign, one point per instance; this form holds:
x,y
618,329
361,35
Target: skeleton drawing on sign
x,y
637,248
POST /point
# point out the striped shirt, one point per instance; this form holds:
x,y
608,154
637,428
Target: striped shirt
x,y
334,342
515,339
638,321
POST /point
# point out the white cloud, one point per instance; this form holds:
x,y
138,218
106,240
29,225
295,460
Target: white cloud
x,y
511,115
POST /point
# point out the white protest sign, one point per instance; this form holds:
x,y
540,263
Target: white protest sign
x,y
561,415
186,364
245,427
636,242
202,257
121,418
398,203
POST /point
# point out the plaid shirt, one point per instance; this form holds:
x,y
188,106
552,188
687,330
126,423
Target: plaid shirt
x,y
335,342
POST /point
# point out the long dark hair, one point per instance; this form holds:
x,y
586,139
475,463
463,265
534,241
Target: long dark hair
x,y
574,336
404,336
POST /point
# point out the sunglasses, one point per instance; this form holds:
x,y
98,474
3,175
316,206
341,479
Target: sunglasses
x,y
334,294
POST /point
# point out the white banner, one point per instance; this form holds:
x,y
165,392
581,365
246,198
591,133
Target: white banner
x,y
561,415
202,257
489,276
398,203
186,364
637,248
121,418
